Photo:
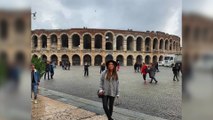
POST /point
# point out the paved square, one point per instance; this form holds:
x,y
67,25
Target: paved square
x,y
162,99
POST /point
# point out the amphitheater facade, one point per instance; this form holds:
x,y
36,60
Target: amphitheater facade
x,y
79,45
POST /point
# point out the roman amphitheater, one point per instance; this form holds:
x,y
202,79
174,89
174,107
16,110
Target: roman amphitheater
x,y
79,45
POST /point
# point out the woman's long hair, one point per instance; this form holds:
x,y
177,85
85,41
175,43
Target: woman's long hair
x,y
114,74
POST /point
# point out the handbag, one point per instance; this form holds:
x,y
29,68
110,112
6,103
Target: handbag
x,y
117,101
100,94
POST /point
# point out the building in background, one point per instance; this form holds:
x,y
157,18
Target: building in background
x,y
79,45
15,32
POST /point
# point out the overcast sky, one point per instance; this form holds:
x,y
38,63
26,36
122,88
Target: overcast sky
x,y
141,15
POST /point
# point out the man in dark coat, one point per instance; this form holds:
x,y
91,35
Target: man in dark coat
x,y
175,71
47,71
86,69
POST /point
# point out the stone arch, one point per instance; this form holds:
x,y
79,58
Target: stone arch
x,y
4,29
129,60
148,44
54,58
43,41
64,41
155,44
109,40
161,44
120,58
170,44
87,41
166,45
109,46
161,58
139,42
98,60
119,42
147,59
108,57
64,57
34,56
109,36
174,46
130,43
98,41
44,58
76,60
155,58
139,59
75,41
54,40
87,58
35,41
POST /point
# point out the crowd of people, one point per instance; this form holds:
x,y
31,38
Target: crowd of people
x,y
49,70
65,64
147,70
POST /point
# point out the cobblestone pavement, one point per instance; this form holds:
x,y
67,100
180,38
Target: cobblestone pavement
x,y
48,109
162,99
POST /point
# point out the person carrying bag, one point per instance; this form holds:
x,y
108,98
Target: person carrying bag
x,y
109,87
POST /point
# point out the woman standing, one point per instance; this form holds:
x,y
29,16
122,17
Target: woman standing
x,y
109,85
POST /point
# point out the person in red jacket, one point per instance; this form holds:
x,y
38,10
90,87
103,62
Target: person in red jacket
x,y
144,71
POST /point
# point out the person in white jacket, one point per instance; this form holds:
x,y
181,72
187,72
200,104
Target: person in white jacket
x,y
109,85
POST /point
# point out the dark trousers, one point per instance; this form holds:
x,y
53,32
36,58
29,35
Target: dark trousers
x,y
86,72
153,78
108,102
175,76
51,74
144,76
157,69
48,75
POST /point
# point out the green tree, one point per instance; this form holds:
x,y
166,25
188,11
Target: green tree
x,y
39,65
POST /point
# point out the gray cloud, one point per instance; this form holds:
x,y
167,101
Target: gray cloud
x,y
142,15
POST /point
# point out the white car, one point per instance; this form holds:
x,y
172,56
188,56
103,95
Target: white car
x,y
160,63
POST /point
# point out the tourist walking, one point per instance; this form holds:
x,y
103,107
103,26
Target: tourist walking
x,y
175,71
144,70
47,71
138,67
102,67
135,66
179,67
34,83
109,86
152,72
86,69
63,65
52,70
118,65
68,65
156,67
